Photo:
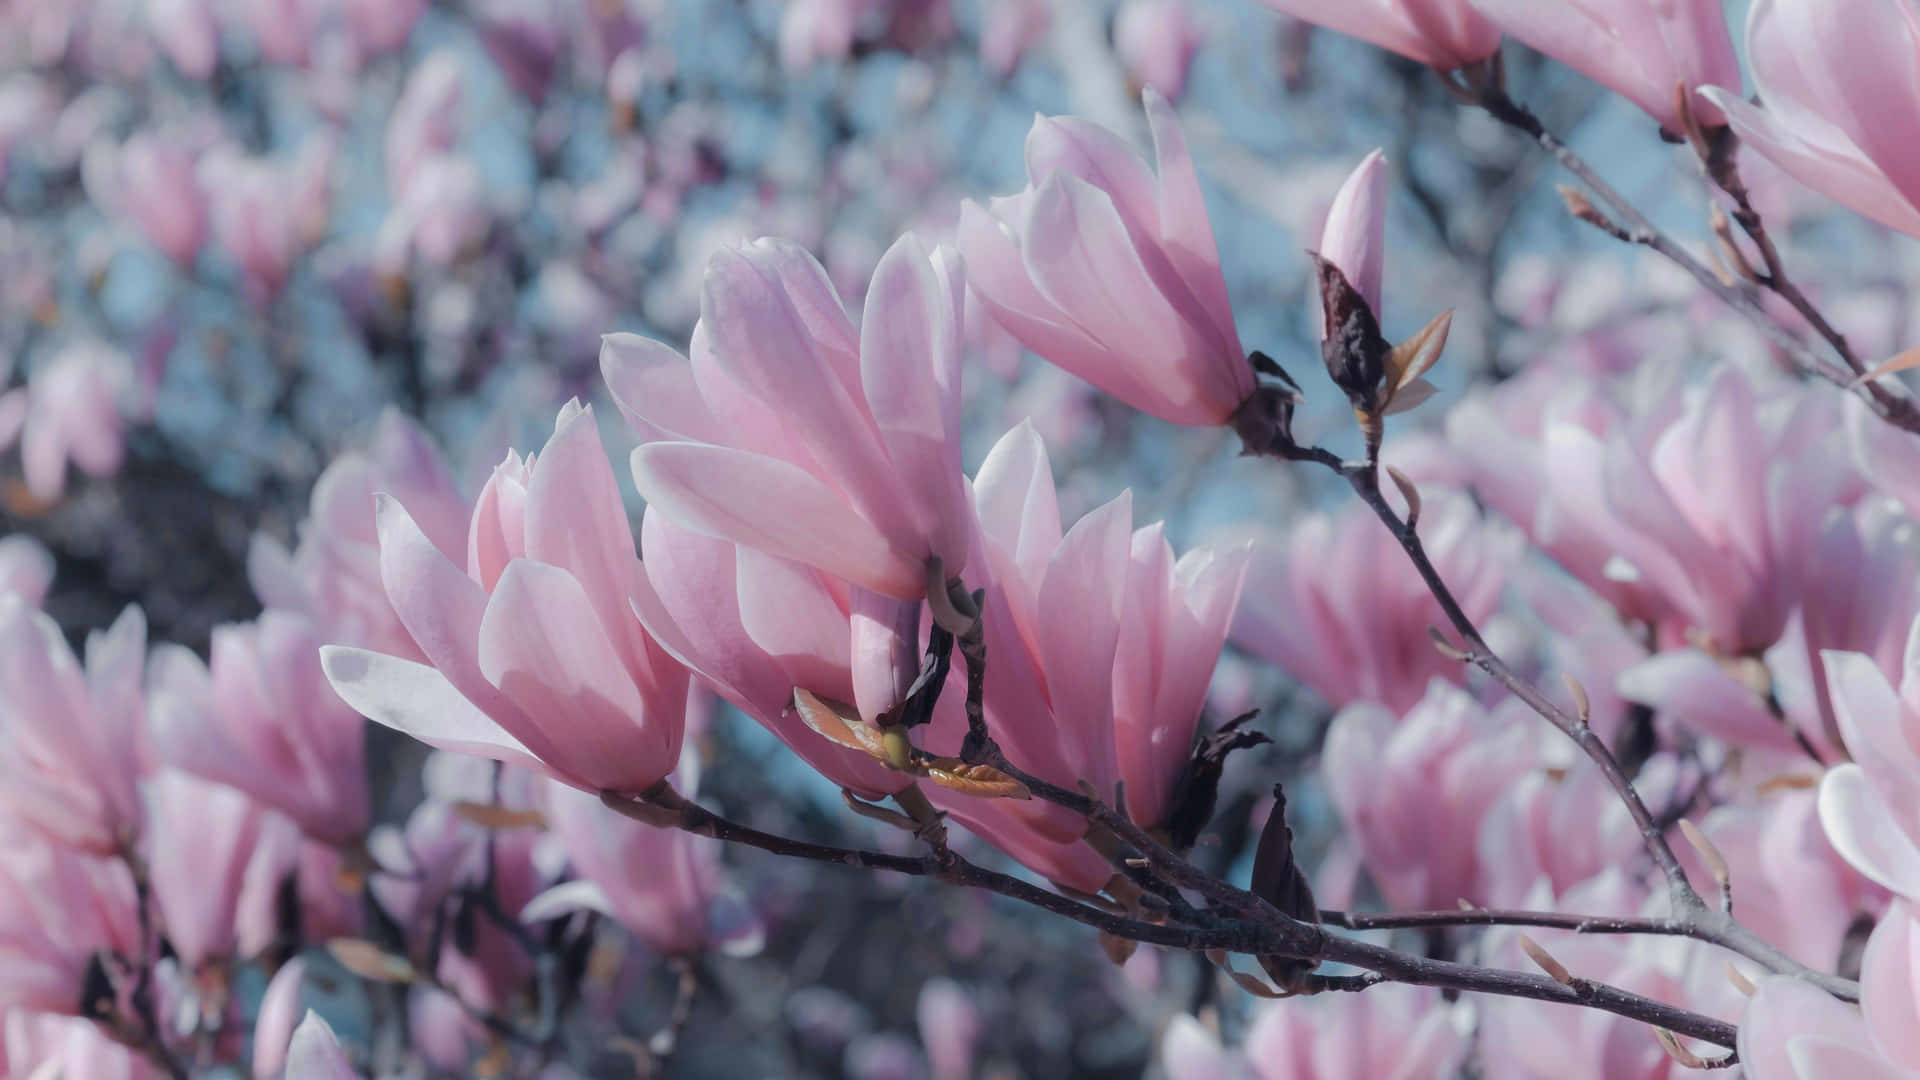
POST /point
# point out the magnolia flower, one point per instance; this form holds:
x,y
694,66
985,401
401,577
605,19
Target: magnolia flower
x,y
792,432
202,838
950,1027
1338,606
26,568
70,411
315,1053
1156,40
1444,34
1793,1031
1648,51
1407,1031
46,1045
157,189
59,909
665,886
1871,807
534,655
1111,273
1836,79
259,717
71,746
188,33
1414,791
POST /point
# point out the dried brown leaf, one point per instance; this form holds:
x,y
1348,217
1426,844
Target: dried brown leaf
x,y
370,961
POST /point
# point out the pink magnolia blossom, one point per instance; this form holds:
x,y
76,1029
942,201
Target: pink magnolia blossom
x,y
266,213
1354,236
665,886
1861,592
1444,34
281,1009
425,119
535,655
1406,1032
202,838
188,33
792,432
1414,791
1643,50
159,191
1793,1031
71,746
1339,607
315,1053
382,26
1112,274
317,881
1837,86
755,627
1708,696
58,910
1156,40
1713,510
70,412
46,1045
259,717
1885,454
950,1027
333,576
1871,807
26,568
1009,29
1105,644
441,215
1562,828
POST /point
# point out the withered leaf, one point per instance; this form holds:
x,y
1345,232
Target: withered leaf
x,y
1198,791
838,723
495,816
1278,880
370,961
982,780
1354,351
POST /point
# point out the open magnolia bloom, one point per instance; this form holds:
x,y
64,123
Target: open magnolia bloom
x,y
1444,34
789,430
1110,271
534,655
1839,85
1793,1031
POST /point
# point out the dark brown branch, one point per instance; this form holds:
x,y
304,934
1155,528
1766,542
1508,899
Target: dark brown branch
x,y
1554,920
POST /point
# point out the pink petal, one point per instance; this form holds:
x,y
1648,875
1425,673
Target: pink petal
x,y
417,700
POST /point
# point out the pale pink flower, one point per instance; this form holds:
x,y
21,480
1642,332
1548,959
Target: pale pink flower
x,y
1888,456
1354,236
266,213
1111,273
45,1045
281,1008
59,909
1339,607
260,717
1444,34
792,432
1414,791
159,191
666,887
313,879
71,745
815,30
1706,695
1713,511
1793,1031
188,33
1104,644
201,840
382,26
441,215
754,628
535,655
26,568
1190,1051
1837,82
315,1053
70,412
425,119
1871,807
333,576
1156,40
1862,588
1644,50
1561,828
1009,29
950,1027
1408,1031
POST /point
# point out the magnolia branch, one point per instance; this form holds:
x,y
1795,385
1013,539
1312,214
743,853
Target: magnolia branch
x,y
1637,228
1691,913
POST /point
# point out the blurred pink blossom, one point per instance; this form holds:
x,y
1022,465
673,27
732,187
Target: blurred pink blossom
x,y
201,840
1156,40
188,33
1793,1031
72,410
950,1027
58,910
1009,29
1871,806
72,749
26,568
1443,34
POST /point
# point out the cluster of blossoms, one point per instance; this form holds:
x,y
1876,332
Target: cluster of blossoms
x,y
1722,571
